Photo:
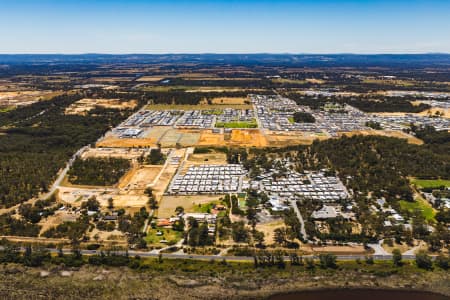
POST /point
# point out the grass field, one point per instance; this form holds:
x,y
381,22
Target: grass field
x,y
170,235
251,124
420,204
430,183
205,208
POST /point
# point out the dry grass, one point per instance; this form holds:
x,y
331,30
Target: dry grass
x,y
230,100
138,179
168,204
268,229
281,140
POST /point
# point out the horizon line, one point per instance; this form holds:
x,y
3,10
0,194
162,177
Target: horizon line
x,y
230,53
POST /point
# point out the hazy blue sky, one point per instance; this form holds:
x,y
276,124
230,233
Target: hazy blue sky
x,y
137,26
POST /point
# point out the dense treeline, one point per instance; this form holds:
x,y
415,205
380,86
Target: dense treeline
x,y
303,117
366,104
377,164
98,171
37,140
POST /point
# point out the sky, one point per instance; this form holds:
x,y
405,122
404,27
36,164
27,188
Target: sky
x,y
246,26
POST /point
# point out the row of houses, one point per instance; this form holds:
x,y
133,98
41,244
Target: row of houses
x,y
314,185
208,179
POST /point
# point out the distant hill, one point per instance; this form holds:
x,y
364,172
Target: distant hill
x,y
310,60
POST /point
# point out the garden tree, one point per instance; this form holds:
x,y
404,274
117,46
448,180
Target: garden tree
x,y
443,261
374,125
152,202
291,220
397,257
178,225
303,117
156,157
239,232
327,260
237,155
91,204
98,171
179,210
283,235
132,225
258,237
197,234
423,260
10,225
235,210
30,213
252,203
110,203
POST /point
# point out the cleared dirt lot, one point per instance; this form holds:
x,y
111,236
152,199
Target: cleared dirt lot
x,y
168,204
139,178
83,106
215,158
237,138
23,98
128,153
112,141
279,140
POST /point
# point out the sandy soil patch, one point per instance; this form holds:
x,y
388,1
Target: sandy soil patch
x,y
128,153
237,138
138,179
280,140
81,107
112,142
23,98
168,204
